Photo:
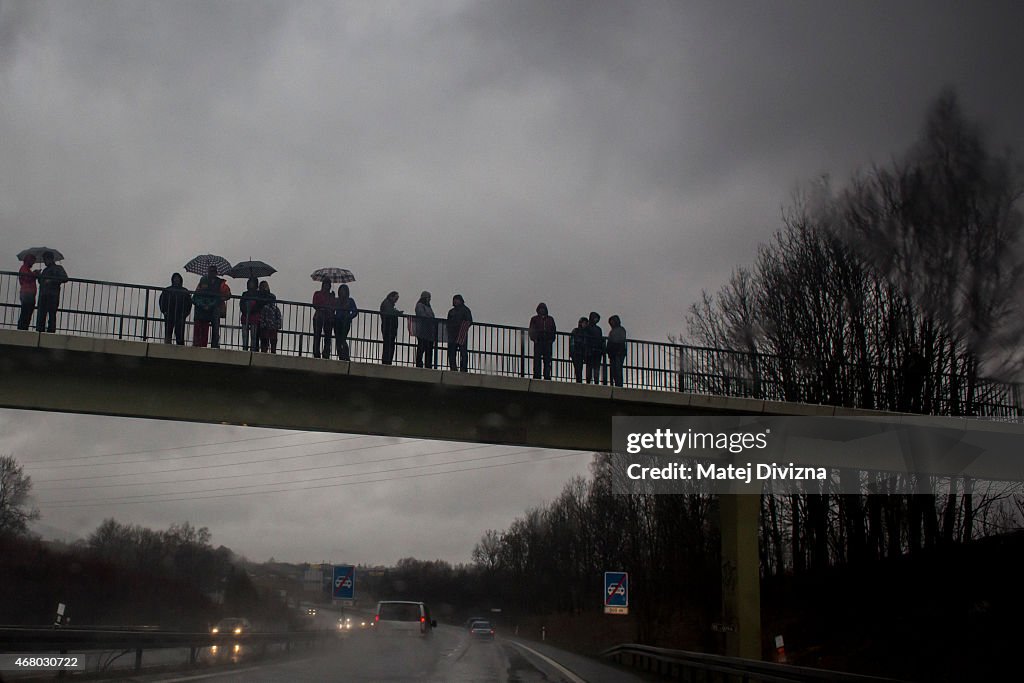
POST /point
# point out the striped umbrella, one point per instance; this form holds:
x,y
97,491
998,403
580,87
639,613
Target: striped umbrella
x,y
335,275
201,264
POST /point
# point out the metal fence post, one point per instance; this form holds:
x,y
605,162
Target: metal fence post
x,y
522,354
145,320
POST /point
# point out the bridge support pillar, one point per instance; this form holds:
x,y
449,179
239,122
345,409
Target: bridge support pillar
x,y
741,575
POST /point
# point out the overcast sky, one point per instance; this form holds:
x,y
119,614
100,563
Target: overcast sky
x,y
609,156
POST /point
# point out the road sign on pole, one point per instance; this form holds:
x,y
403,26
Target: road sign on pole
x,y
616,593
344,582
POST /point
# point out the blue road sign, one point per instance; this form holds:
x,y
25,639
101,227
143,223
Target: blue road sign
x,y
616,589
344,582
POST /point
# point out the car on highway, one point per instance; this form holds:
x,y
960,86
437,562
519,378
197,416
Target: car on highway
x,y
232,625
227,645
472,620
344,623
403,617
311,611
482,630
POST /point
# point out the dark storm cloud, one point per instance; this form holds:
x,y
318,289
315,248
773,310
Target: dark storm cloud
x,y
617,156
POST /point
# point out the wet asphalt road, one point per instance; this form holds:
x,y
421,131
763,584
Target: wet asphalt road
x,y
449,654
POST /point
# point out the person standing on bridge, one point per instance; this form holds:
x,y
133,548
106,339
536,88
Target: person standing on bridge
x,y
27,290
175,304
270,319
250,305
323,319
578,346
50,280
459,320
616,349
389,326
209,298
595,349
426,332
345,311
542,334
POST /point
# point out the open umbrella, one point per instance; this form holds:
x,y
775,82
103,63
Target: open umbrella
x,y
38,253
201,264
335,275
249,269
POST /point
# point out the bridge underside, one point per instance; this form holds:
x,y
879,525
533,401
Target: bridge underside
x,y
159,381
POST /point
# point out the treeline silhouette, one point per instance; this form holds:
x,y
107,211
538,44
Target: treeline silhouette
x,y
921,252
126,574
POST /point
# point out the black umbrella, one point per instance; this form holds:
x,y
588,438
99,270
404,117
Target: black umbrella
x,y
38,253
249,269
201,264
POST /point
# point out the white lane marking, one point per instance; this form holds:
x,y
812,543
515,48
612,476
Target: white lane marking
x,y
573,678
230,672
211,675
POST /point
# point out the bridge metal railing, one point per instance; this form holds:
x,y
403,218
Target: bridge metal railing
x,y
118,310
698,666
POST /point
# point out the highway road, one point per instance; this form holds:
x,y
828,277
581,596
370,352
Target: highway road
x,y
449,654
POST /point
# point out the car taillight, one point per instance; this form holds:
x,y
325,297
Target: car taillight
x,y
376,617
422,619
492,631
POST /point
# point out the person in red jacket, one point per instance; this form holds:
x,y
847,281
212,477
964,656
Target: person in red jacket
x,y
27,291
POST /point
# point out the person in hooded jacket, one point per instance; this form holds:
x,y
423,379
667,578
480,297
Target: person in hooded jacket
x,y
389,326
542,334
459,320
175,304
271,319
616,349
345,311
578,347
595,349
426,332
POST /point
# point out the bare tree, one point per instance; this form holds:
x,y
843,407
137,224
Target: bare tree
x,y
15,488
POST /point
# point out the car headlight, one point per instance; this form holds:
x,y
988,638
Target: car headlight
x,y
238,630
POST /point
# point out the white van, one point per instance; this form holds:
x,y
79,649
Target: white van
x,y
403,617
